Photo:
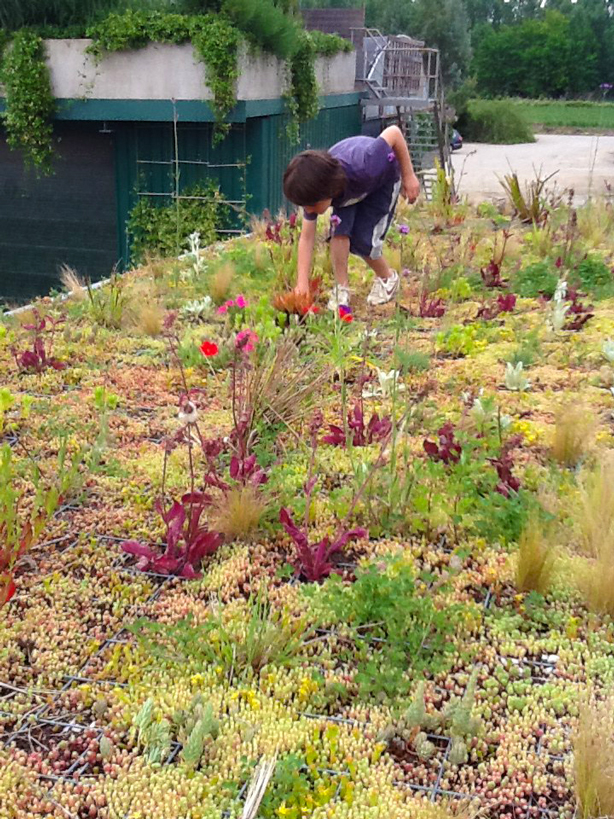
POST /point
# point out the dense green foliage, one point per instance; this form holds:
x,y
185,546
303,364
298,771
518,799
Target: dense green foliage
x,y
494,121
161,230
215,28
523,47
549,57
29,101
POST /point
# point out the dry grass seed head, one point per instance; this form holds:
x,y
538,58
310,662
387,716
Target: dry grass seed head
x,y
593,760
220,282
573,435
154,266
72,283
595,512
149,318
535,560
239,512
594,518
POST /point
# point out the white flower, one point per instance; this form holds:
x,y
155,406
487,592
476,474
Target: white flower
x,y
608,350
188,414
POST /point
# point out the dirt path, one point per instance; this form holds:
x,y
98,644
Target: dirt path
x,y
584,163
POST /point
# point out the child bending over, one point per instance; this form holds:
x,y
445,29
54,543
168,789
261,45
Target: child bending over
x,y
361,178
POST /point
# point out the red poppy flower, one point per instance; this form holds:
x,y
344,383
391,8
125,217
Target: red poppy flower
x,y
209,349
347,317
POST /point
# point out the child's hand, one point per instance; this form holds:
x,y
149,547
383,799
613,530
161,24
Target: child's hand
x,y
410,187
301,289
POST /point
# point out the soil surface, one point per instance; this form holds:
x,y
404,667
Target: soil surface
x,y
583,162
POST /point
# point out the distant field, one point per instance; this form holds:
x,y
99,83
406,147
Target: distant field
x,y
567,114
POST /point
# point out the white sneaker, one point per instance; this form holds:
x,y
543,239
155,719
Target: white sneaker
x,y
339,297
384,290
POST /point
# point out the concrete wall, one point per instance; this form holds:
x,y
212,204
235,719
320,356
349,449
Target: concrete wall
x,y
163,72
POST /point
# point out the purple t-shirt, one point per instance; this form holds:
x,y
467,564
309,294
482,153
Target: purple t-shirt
x,y
368,163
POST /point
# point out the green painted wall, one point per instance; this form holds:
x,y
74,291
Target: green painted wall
x,y
135,145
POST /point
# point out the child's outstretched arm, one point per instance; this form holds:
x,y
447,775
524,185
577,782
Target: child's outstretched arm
x,y
394,137
306,244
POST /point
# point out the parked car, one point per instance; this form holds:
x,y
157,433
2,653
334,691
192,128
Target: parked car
x,y
456,140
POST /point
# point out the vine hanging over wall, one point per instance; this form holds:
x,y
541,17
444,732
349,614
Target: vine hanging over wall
x,y
29,101
216,39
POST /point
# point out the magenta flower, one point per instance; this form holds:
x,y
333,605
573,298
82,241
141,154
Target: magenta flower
x,y
403,229
222,309
241,301
335,220
246,341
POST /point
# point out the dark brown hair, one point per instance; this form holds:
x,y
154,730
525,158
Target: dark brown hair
x,y
312,176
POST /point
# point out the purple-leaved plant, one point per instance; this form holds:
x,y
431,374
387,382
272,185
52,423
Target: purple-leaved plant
x,y
313,561
360,434
39,357
447,450
187,540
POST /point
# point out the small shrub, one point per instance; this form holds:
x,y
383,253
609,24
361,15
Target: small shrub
x,y
160,229
527,351
592,274
573,432
220,283
411,361
495,121
535,559
593,760
535,280
398,625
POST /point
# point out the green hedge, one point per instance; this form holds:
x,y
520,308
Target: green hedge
x,y
494,121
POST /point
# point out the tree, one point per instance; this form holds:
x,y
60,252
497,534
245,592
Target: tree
x,y
444,25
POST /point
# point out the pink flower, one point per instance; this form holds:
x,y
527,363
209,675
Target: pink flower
x,y
246,341
241,301
222,309
230,303
335,220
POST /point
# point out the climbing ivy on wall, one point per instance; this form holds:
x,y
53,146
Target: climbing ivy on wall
x,y
216,39
29,101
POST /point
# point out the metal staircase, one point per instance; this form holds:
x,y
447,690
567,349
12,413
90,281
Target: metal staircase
x,y
403,81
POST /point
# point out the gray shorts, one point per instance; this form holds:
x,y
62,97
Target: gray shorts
x,y
367,221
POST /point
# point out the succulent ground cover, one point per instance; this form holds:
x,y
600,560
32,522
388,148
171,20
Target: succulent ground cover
x,y
375,549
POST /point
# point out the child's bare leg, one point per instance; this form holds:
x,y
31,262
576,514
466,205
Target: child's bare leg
x,y
339,255
379,267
